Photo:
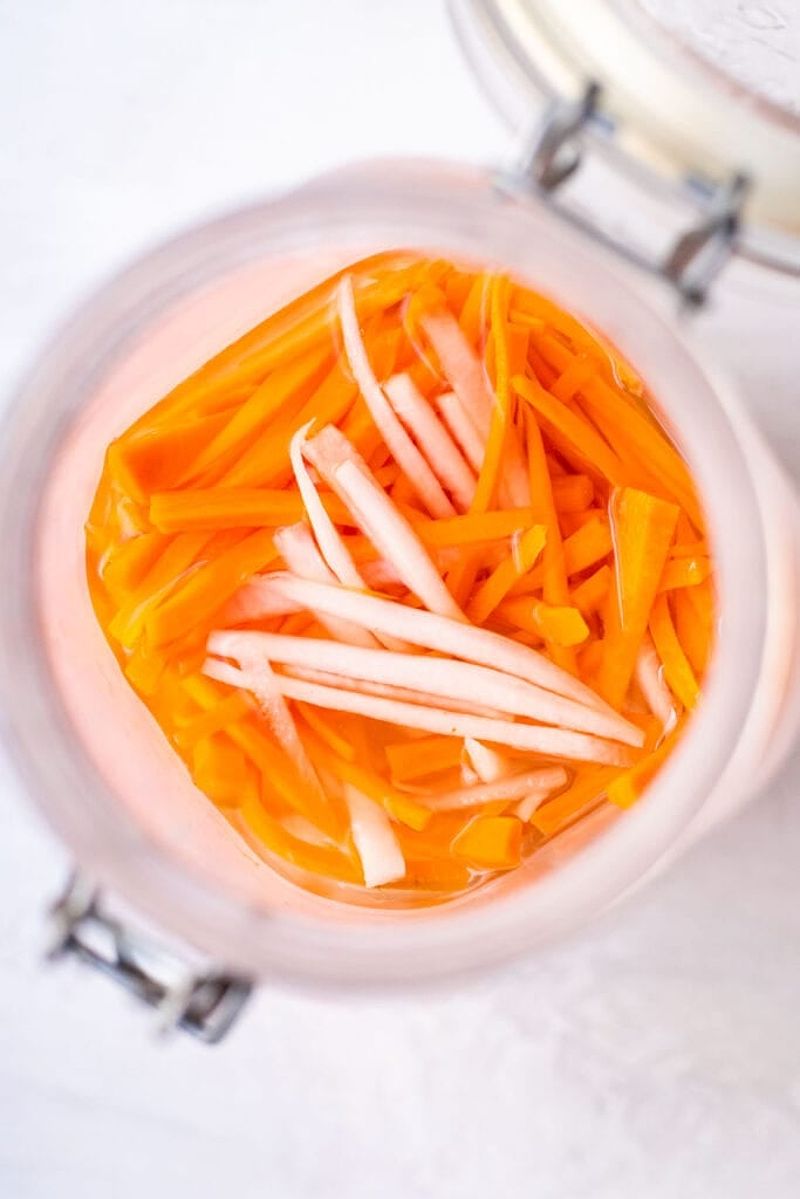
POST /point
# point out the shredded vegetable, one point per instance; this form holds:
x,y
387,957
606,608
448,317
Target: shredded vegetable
x,y
410,576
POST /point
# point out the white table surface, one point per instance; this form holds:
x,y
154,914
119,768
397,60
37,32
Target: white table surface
x,y
658,1054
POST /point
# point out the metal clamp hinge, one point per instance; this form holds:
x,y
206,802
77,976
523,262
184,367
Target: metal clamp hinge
x,y
205,1004
556,151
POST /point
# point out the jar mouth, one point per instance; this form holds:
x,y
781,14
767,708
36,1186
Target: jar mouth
x,y
431,206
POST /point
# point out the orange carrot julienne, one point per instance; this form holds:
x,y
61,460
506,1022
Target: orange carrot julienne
x,y
569,431
490,843
491,592
589,594
684,572
677,670
643,529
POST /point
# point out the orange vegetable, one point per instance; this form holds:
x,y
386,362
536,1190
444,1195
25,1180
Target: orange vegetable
x,y
561,625
410,760
208,588
643,527
589,595
490,593
677,671
490,843
220,769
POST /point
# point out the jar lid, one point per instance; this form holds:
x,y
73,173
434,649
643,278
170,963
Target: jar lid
x,y
652,107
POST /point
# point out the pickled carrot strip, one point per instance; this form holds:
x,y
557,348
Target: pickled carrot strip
x,y
493,590
643,529
298,550
461,428
262,832
635,438
457,286
432,437
572,379
571,493
128,563
472,314
488,764
649,677
694,624
555,589
697,548
207,590
626,788
291,385
219,769
326,733
587,791
560,624
518,340
589,595
677,671
497,435
684,572
490,843
586,547
216,720
443,876
462,682
154,459
224,508
435,632
266,462
472,529
409,760
406,454
554,742
381,857
570,433
164,574
516,786
144,668
571,522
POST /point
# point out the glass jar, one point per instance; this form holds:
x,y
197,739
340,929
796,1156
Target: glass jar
x,y
97,763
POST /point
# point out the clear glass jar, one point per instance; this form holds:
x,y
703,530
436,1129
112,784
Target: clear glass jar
x,y
96,762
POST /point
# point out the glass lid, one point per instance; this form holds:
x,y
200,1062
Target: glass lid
x,y
649,104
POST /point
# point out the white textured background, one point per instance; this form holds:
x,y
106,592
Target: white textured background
x,y
655,1057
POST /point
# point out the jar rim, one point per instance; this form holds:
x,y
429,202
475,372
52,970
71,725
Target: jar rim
x,y
426,205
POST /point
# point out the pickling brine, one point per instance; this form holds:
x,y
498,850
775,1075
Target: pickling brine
x,y
411,577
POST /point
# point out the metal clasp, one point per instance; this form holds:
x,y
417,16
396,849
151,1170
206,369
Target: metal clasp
x,y
203,1003
556,151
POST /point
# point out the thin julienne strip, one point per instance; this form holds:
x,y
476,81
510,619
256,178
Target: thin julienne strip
x,y
455,680
401,446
